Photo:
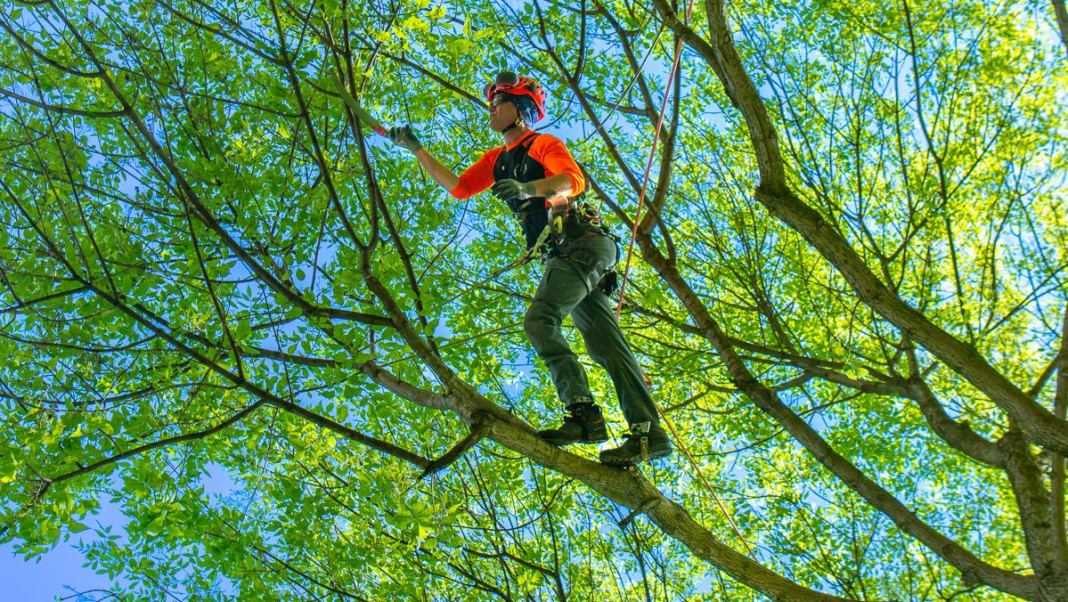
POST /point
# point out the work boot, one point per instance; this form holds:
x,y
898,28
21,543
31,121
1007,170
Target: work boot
x,y
643,444
584,423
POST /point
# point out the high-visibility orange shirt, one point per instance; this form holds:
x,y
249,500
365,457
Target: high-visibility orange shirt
x,y
545,149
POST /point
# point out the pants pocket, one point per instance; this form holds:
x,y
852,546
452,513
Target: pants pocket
x,y
590,264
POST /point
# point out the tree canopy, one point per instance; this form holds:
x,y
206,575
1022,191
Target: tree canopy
x,y
847,286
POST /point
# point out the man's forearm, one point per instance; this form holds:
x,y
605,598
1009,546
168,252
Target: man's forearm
x,y
552,186
441,174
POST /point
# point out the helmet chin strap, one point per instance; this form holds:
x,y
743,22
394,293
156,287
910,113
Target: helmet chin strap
x,y
512,126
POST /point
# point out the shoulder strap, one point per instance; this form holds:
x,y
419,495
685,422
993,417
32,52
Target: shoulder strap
x,y
528,141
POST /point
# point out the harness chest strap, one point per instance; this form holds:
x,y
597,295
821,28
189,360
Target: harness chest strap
x,y
516,164
560,221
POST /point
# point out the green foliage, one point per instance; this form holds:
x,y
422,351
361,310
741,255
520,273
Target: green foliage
x,y
190,222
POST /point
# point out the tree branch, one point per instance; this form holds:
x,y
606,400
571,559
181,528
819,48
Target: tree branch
x,y
774,193
478,431
62,110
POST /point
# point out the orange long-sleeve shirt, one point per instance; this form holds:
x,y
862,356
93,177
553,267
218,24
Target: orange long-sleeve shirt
x,y
546,149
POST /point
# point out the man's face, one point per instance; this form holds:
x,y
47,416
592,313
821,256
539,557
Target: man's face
x,y
502,112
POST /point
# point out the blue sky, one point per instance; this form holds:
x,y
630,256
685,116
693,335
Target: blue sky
x,y
48,576
52,575
60,572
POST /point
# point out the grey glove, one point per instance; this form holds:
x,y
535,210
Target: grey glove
x,y
405,137
507,190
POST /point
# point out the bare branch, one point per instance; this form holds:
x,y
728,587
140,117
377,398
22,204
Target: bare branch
x,y
478,431
62,110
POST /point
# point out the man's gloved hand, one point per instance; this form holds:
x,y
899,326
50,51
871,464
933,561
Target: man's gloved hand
x,y
507,190
405,137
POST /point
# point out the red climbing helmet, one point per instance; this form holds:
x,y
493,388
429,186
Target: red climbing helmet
x,y
516,85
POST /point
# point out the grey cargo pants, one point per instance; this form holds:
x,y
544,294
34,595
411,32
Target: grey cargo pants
x,y
569,286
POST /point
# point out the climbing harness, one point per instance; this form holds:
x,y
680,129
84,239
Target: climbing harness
x,y
549,243
549,224
516,164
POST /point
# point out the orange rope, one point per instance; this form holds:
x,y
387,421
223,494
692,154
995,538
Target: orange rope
x,y
626,271
649,166
700,474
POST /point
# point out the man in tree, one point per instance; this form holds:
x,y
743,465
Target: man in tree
x,y
536,176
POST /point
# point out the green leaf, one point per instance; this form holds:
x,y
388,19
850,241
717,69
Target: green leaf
x,y
76,527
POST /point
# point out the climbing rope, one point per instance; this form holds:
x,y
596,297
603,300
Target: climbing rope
x,y
649,167
626,270
701,475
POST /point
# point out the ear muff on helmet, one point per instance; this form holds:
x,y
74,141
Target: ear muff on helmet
x,y
517,85
527,109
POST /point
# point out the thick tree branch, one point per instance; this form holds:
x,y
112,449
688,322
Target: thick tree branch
x,y
1033,501
958,435
633,491
1062,21
1057,476
768,401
